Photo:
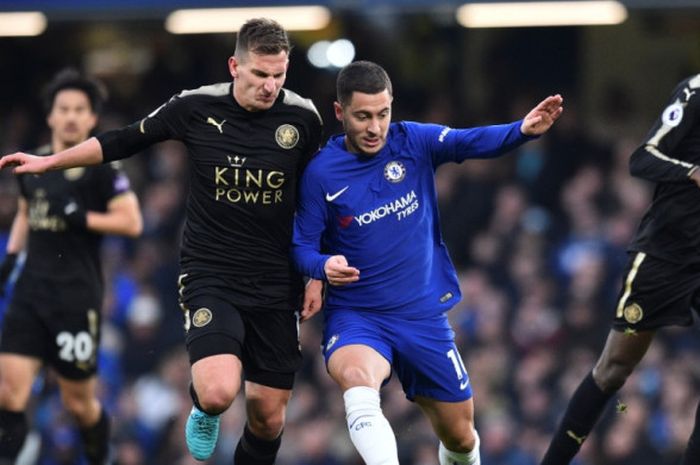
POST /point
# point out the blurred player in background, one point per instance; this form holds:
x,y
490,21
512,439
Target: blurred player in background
x,y
662,278
248,141
367,223
54,315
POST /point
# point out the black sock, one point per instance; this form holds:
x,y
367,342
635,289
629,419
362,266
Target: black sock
x,y
13,431
582,413
692,453
96,440
252,450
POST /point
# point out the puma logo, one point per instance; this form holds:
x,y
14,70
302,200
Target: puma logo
x,y
578,439
213,122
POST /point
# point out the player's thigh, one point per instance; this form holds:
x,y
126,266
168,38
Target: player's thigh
x,y
428,362
358,365
453,422
272,351
214,337
24,345
217,375
357,348
622,352
17,373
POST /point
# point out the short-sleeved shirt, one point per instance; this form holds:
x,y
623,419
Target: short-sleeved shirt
x,y
670,229
67,257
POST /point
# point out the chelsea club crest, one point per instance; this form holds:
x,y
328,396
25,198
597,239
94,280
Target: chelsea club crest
x,y
394,171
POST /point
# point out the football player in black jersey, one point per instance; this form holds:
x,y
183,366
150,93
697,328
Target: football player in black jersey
x,y
662,279
248,141
54,315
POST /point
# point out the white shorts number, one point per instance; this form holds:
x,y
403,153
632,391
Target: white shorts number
x,y
454,356
75,347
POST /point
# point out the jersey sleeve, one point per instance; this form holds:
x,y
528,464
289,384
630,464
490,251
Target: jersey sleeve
x,y
446,144
654,160
314,128
111,181
169,121
309,225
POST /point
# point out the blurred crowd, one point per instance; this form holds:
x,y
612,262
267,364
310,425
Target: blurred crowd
x,y
539,240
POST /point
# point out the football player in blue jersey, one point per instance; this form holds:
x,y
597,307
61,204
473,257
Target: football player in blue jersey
x,y
367,223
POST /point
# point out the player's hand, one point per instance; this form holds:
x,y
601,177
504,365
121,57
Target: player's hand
x,y
338,273
313,299
6,267
25,163
71,211
541,118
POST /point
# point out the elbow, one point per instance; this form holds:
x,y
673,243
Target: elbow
x,y
134,227
636,165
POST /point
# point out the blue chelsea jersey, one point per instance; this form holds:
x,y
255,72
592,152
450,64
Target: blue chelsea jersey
x,y
380,212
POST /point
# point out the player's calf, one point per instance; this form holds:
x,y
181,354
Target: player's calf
x,y
96,440
370,431
252,450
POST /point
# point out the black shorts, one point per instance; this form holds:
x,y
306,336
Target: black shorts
x,y
656,293
267,342
64,333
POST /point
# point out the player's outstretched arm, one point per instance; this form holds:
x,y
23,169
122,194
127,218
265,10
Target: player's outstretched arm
x,y
543,116
83,154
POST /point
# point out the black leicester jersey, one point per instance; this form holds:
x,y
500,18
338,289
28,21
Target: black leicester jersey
x,y
61,257
244,168
670,229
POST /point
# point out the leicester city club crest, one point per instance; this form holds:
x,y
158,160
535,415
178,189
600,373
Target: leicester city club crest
x,y
287,136
201,317
394,171
633,313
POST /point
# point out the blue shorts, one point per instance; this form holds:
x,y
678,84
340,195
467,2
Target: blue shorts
x,y
422,352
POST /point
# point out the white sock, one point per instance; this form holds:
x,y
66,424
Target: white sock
x,y
448,457
370,431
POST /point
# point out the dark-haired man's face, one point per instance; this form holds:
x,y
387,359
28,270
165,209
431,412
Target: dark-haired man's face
x,y
366,121
71,118
258,79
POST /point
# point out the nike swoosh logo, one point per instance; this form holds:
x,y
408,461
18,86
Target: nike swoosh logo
x,y
330,198
463,385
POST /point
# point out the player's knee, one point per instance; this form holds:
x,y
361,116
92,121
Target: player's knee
x,y
78,406
612,375
356,376
13,397
215,399
460,441
268,427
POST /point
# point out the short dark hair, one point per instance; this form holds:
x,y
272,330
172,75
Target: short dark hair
x,y
262,36
361,76
70,78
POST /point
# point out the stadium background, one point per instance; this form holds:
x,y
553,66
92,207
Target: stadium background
x,y
538,237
